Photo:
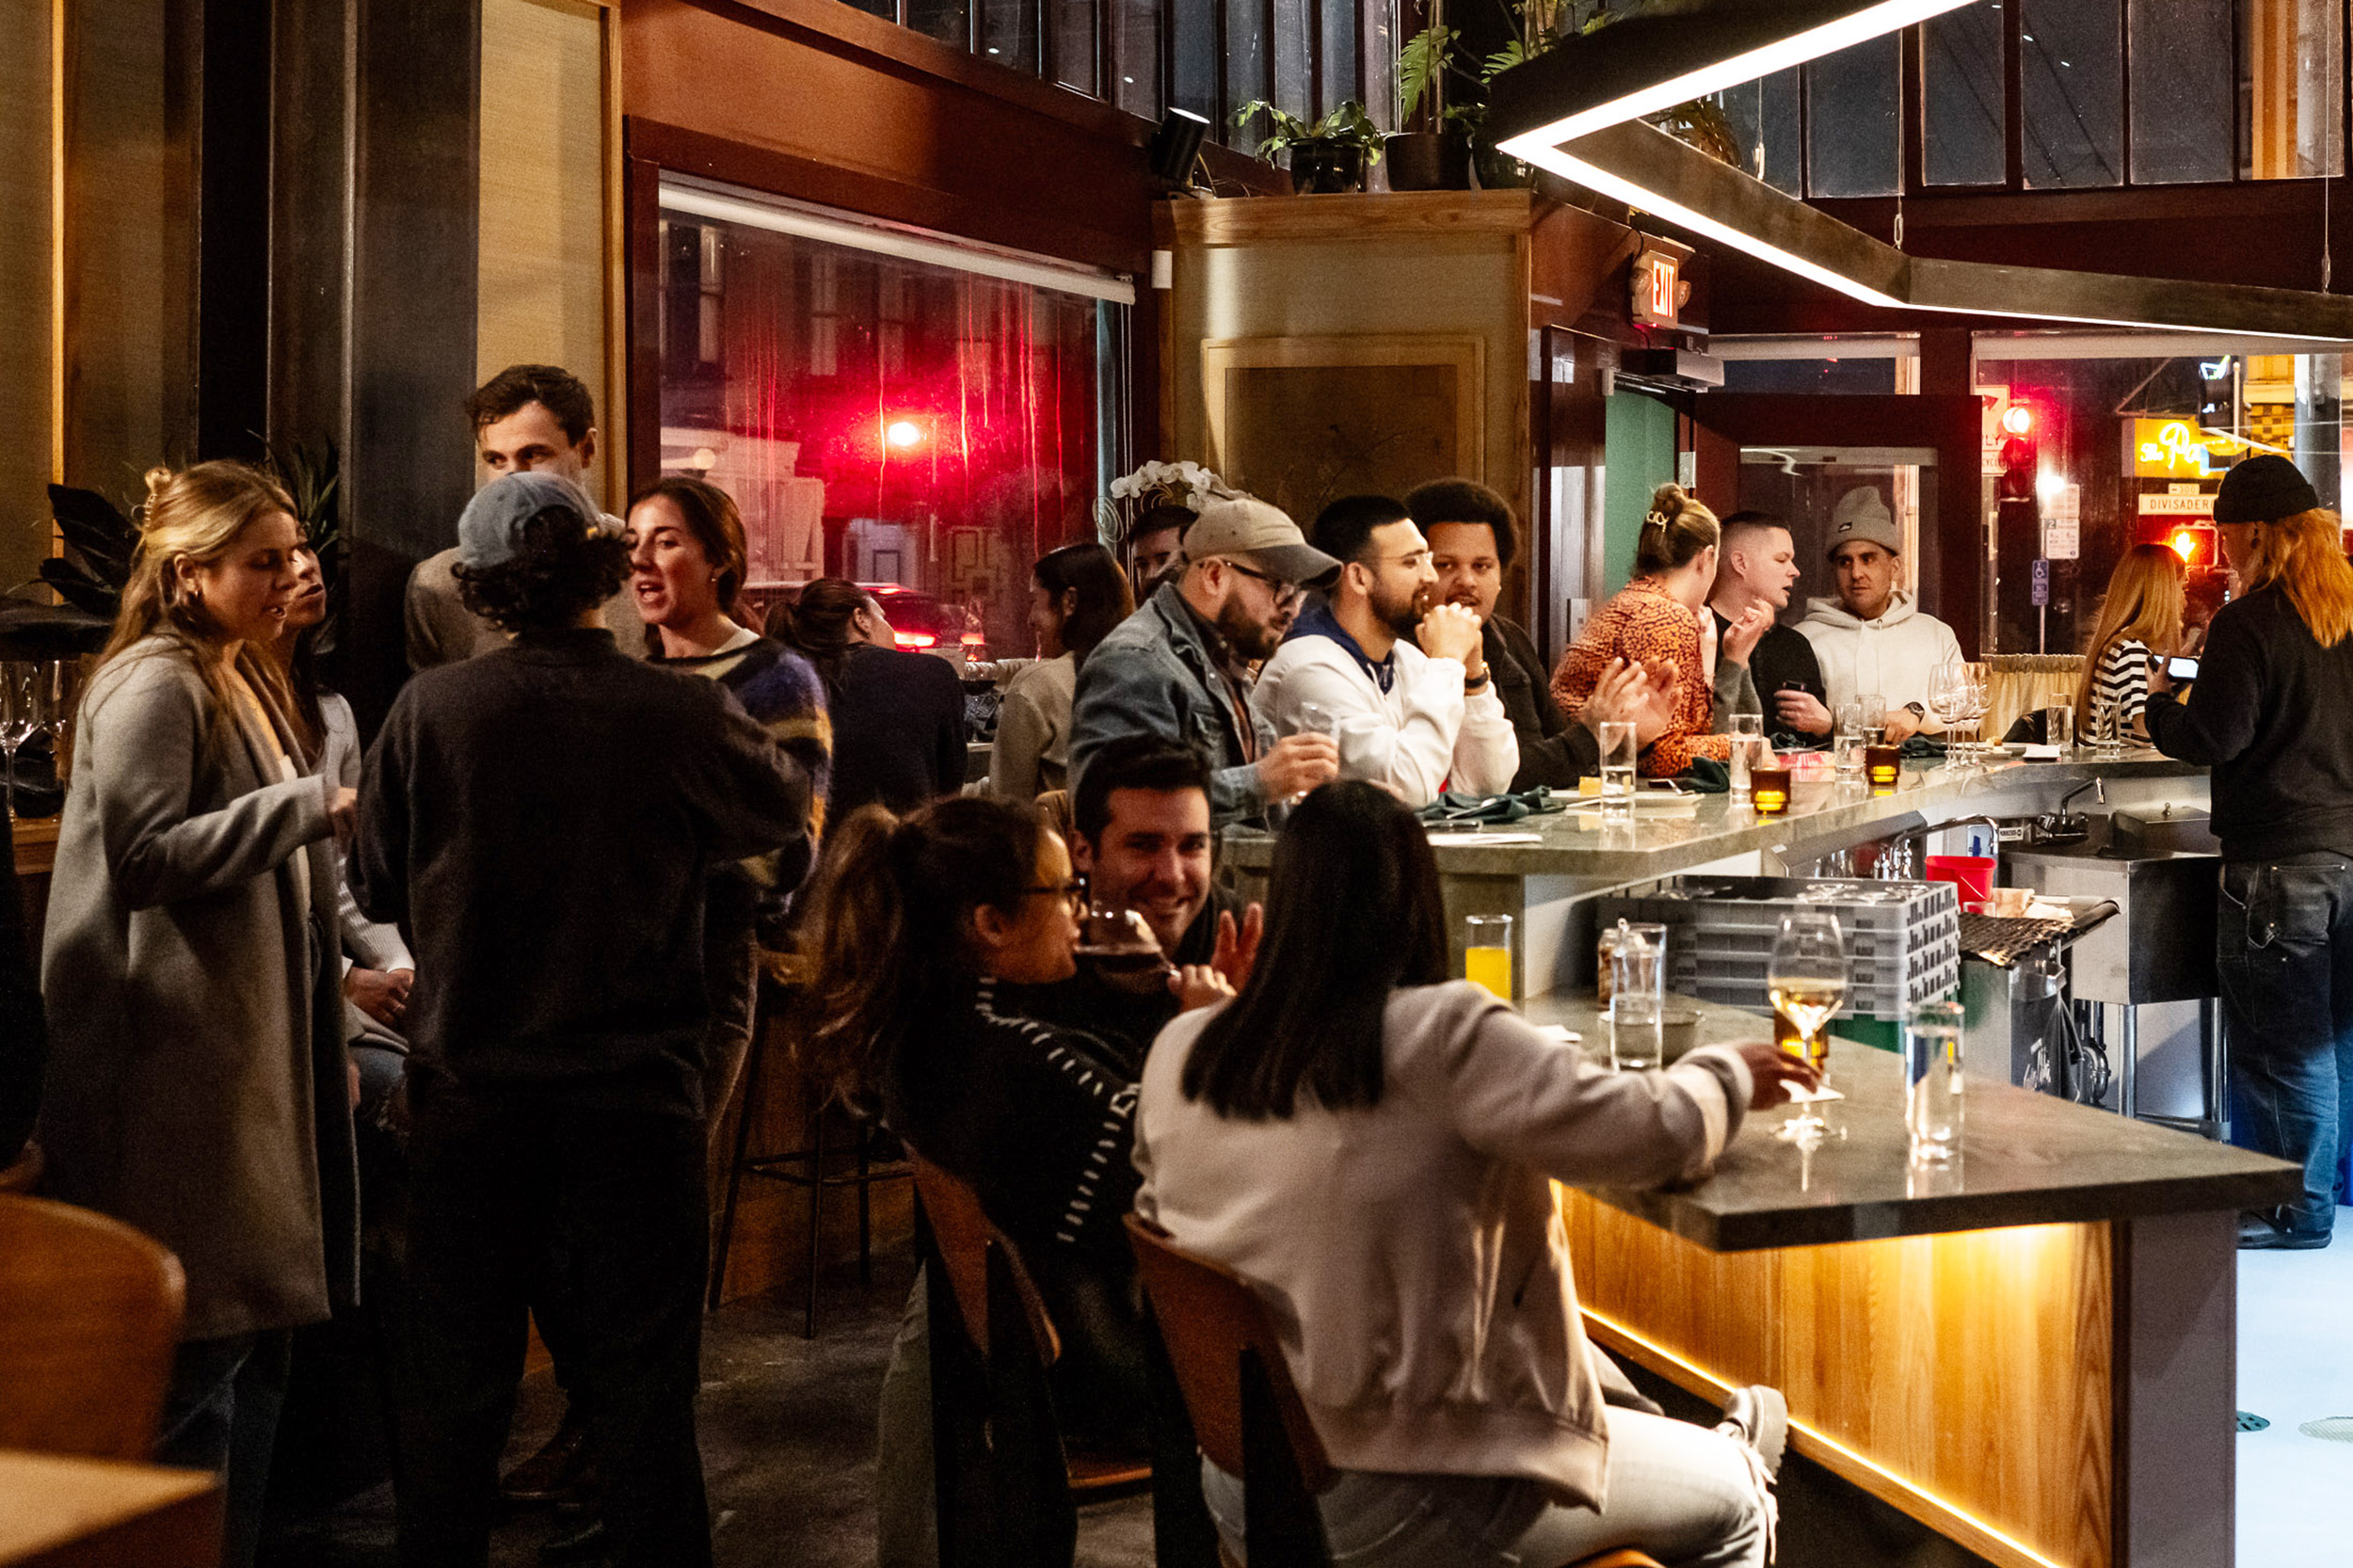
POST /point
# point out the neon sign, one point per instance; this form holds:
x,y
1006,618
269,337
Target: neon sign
x,y
2177,449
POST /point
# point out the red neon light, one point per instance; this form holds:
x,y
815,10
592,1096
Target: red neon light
x,y
914,639
2018,420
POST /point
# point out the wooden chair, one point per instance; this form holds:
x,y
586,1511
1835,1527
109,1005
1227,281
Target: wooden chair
x,y
992,1341
1247,1413
90,1317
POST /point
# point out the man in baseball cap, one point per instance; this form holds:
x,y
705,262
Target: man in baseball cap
x,y
1180,667
1872,638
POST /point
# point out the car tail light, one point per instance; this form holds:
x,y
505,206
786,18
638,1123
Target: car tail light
x,y
914,639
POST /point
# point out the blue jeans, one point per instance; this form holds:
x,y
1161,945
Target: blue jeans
x,y
220,1414
2284,946
1686,1494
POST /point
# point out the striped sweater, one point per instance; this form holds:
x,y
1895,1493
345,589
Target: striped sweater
x,y
2120,684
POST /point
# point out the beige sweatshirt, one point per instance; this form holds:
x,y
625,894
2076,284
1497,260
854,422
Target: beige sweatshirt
x,y
1412,1253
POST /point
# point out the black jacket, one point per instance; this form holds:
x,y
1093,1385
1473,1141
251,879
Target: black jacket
x,y
898,729
2272,714
1554,750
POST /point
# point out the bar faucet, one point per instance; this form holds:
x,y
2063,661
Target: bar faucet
x,y
2098,786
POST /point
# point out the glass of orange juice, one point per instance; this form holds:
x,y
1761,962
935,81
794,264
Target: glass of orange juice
x,y
1487,953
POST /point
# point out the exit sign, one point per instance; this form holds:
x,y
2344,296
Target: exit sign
x,y
1658,289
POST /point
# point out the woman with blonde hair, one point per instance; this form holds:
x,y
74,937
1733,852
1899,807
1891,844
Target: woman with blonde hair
x,y
2272,717
198,1083
1659,619
2140,618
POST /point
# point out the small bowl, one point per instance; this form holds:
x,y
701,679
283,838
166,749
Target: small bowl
x,y
1678,1027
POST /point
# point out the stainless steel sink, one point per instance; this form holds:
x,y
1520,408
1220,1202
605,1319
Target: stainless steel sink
x,y
2159,866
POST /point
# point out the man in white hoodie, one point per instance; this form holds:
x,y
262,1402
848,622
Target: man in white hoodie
x,y
1872,637
1404,682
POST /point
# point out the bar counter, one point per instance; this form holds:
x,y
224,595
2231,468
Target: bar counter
x,y
2031,1350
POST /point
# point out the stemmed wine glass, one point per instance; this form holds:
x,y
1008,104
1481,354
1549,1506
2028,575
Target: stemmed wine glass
x,y
1806,978
19,715
58,684
1948,699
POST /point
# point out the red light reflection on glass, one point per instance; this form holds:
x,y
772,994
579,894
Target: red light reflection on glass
x,y
914,639
902,433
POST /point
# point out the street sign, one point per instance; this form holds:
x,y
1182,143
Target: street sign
x,y
2062,522
2042,584
2200,506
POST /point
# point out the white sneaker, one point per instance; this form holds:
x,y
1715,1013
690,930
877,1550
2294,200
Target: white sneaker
x,y
1758,1416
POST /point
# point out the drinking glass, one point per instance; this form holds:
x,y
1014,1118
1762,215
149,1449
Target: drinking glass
x,y
1933,1083
1976,676
1117,944
20,716
2058,726
1806,978
1748,746
1846,745
60,683
1618,754
1638,987
1948,700
1487,953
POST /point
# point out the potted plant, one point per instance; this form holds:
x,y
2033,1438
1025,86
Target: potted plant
x,y
1328,155
1437,155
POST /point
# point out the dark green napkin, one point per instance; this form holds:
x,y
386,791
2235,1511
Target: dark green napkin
x,y
1456,808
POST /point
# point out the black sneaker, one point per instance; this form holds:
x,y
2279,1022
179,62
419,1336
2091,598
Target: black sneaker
x,y
2257,1234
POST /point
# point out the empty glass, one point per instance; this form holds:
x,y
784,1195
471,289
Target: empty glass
x,y
1933,1083
1806,978
1618,756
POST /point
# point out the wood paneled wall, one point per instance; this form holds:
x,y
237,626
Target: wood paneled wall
x,y
28,389
1966,1379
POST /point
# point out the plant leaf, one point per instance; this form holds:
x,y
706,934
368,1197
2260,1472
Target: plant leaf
x,y
79,588
95,529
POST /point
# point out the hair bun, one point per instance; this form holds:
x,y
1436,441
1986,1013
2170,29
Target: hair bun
x,y
1667,499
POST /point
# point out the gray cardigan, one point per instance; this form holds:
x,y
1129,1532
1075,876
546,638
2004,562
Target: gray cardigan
x,y
196,1085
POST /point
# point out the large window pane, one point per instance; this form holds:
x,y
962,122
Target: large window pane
x,y
1135,84
1293,49
949,20
1071,40
2074,92
1245,54
1009,32
1342,69
1764,118
1192,32
886,420
2291,77
1851,106
1963,102
2182,90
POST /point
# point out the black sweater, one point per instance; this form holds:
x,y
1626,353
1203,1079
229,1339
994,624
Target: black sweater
x,y
1554,750
898,729
540,822
2272,714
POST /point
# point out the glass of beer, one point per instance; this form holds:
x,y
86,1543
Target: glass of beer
x,y
1487,953
1118,944
1882,765
1806,978
1768,790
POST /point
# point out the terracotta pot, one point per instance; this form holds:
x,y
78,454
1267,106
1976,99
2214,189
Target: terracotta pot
x,y
1327,167
1429,160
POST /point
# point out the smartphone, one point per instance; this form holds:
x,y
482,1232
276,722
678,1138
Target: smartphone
x,y
2181,669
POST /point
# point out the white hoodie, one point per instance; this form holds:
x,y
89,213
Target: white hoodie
x,y
1896,656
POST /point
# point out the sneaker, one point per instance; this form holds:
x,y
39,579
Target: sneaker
x,y
1758,1416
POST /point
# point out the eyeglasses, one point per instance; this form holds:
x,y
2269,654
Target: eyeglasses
x,y
1073,893
1413,562
1284,592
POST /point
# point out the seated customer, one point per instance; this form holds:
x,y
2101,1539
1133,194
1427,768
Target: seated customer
x,y
1143,843
1756,570
897,717
1405,683
1872,638
1373,1146
1077,594
919,925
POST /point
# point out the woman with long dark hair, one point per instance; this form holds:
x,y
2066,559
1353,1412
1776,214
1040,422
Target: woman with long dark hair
x,y
2272,717
1077,594
897,717
197,1085
1374,1145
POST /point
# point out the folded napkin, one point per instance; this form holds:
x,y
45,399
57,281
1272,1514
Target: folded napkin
x,y
1456,807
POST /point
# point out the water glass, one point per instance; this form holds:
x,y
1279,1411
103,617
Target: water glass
x,y
2058,726
1638,987
1932,1080
1847,745
1619,754
20,715
1749,748
1316,719
1487,953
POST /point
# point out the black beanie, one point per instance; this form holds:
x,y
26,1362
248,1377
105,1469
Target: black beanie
x,y
2263,489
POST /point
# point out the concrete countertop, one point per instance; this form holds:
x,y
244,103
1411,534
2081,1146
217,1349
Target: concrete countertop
x,y
1577,843
2026,1159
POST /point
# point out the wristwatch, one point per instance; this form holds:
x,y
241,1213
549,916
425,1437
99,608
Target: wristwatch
x,y
1478,685
1915,711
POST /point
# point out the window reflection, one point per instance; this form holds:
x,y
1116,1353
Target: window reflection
x,y
2292,73
1964,97
1764,118
2071,58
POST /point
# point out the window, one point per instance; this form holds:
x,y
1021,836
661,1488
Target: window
x,y
887,407
2291,77
1764,118
2181,89
2072,65
1851,113
1964,97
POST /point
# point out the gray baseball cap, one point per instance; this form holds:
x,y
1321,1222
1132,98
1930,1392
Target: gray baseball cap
x,y
491,530
1246,526
1862,517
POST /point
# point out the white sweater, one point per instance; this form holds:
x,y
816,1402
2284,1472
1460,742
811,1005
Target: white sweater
x,y
1896,655
1412,1253
1417,737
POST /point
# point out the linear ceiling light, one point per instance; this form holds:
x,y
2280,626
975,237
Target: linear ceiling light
x,y
1678,50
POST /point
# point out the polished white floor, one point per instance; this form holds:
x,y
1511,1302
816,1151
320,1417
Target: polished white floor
x,y
2296,1365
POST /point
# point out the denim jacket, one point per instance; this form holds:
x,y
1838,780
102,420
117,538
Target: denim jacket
x,y
1156,674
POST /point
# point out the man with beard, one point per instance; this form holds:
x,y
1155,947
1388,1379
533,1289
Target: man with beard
x,y
1404,682
1180,667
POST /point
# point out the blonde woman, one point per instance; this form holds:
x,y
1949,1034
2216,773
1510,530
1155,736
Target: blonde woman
x,y
1660,618
2272,717
2140,618
197,1084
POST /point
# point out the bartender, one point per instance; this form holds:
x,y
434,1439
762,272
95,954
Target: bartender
x,y
2272,717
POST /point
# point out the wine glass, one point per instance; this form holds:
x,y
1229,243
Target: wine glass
x,y
59,685
1948,699
1806,978
1119,945
20,716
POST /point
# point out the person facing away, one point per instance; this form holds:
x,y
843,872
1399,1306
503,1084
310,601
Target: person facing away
x,y
2272,717
1659,619
1142,841
1421,1124
1872,638
542,822
897,717
527,419
197,1085
1077,594
1755,569
1400,682
1473,538
1181,666
2140,618
687,560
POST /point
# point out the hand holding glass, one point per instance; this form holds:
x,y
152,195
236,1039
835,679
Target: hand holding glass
x,y
1806,978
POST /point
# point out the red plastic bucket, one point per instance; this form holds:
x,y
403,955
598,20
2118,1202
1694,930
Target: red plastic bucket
x,y
1972,873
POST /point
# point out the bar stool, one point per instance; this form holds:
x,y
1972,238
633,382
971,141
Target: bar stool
x,y
781,975
1247,1413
